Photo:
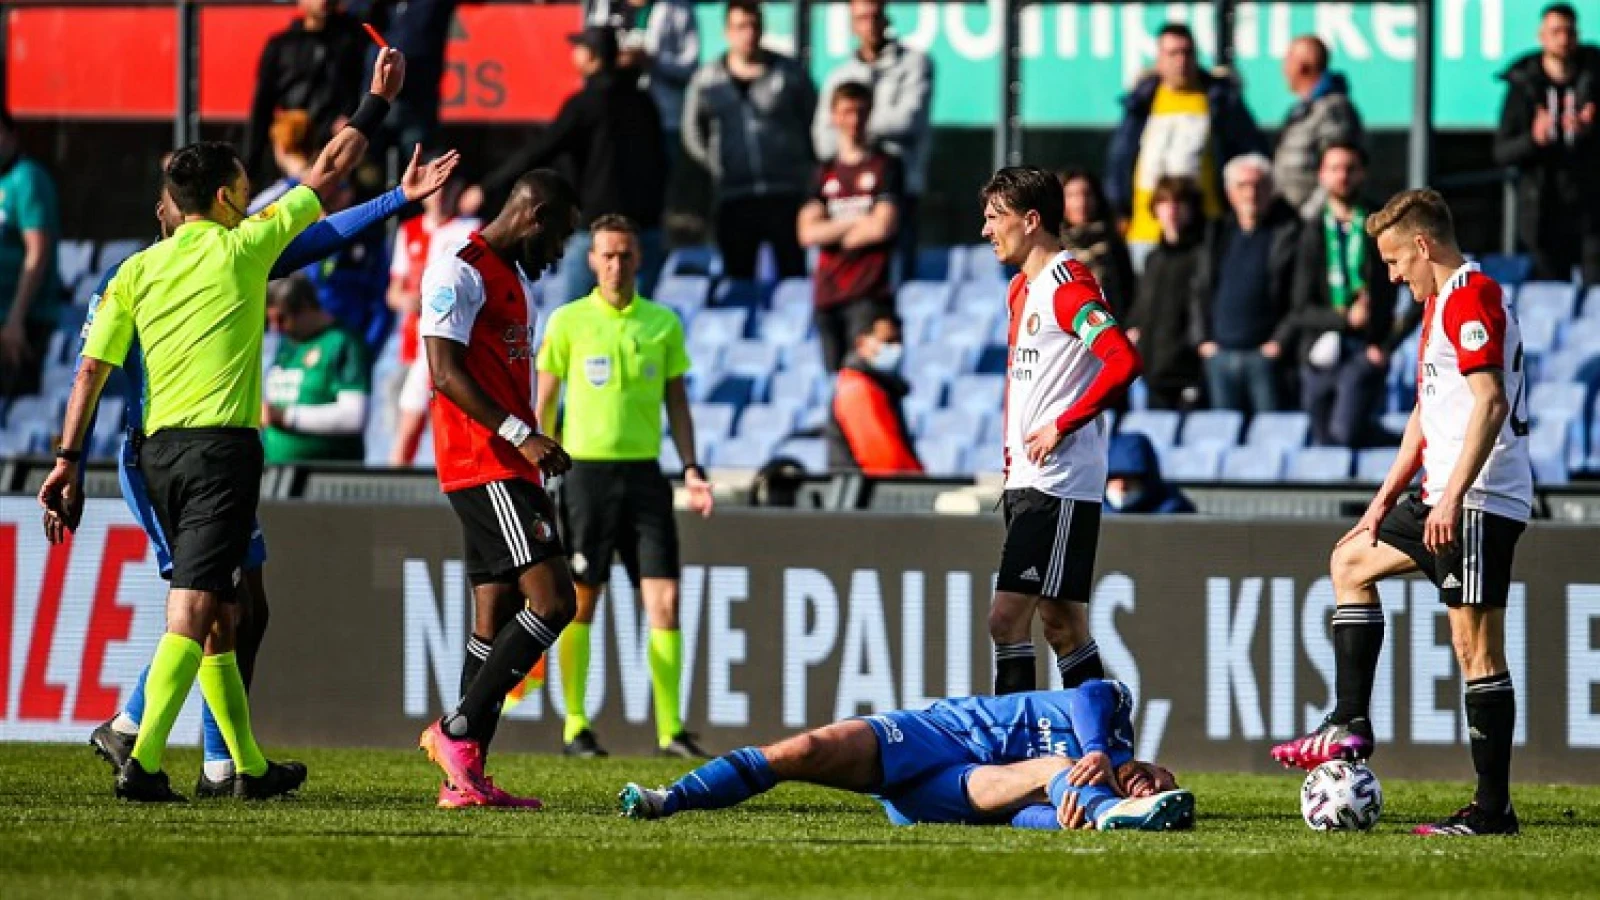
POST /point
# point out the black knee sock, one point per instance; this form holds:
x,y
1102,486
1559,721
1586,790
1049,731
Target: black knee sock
x,y
1080,665
516,648
1357,640
477,653
1491,722
247,642
1013,668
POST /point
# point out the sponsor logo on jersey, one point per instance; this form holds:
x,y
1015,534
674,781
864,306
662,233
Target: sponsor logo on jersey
x,y
1474,335
442,300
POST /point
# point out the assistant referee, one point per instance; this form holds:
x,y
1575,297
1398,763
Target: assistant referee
x,y
197,303
621,356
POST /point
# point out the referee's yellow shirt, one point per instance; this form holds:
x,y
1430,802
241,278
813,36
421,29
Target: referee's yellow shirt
x,y
198,304
615,363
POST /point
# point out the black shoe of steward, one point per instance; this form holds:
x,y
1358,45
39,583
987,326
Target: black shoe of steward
x,y
280,779
684,746
112,745
134,783
585,746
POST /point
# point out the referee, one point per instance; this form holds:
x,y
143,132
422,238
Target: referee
x,y
197,303
621,356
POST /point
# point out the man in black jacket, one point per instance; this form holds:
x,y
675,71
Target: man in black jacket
x,y
1164,321
1242,288
1343,308
318,64
610,134
1547,130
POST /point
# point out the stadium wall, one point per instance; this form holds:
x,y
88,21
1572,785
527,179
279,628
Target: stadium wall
x,y
795,619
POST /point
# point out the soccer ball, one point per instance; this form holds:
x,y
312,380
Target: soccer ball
x,y
1341,796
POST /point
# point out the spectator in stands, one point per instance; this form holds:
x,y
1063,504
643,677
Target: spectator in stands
x,y
660,40
1164,319
901,80
747,118
1243,287
30,287
352,285
1178,120
317,64
610,134
852,216
1343,309
420,29
315,395
291,154
868,431
1547,130
1324,116
1134,485
1091,235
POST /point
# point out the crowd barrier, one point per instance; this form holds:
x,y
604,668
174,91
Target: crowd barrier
x,y
795,619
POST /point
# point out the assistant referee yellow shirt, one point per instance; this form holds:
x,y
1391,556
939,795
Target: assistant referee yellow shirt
x,y
198,303
615,363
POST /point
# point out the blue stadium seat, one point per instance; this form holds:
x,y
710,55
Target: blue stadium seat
x,y
719,327
1159,425
1538,333
1320,465
992,361
752,359
742,452
933,264
978,393
670,461
702,261
1191,464
685,293
979,301
1546,299
1372,465
794,389
733,390
1252,464
1278,429
957,424
737,292
114,252
75,261
1548,447
981,266
941,456
1213,427
1559,401
811,453
793,293
1511,271
767,420
713,421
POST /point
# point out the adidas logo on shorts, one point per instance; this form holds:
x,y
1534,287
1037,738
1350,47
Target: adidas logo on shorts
x,y
1450,582
1031,575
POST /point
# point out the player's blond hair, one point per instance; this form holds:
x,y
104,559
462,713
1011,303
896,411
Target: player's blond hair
x,y
1418,211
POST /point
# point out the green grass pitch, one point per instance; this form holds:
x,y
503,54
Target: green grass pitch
x,y
365,827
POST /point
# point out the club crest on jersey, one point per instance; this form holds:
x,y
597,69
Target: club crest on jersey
x,y
598,370
314,357
1474,335
1033,323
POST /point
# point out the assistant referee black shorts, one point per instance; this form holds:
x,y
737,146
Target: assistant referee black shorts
x,y
1050,546
1475,570
204,484
507,526
621,508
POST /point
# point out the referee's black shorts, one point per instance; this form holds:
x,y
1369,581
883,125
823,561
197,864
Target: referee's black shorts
x,y
204,484
621,508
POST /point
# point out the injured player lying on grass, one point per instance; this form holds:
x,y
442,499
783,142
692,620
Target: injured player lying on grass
x,y
1039,759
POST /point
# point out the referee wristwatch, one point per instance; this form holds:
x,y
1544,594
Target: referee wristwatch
x,y
68,454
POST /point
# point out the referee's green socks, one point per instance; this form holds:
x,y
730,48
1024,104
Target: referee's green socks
x,y
666,668
223,688
572,651
172,672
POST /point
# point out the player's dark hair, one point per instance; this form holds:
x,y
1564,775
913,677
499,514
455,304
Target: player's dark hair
x,y
1564,10
615,223
1019,189
294,293
851,90
1177,30
197,172
1415,211
1348,146
1102,209
753,7
549,187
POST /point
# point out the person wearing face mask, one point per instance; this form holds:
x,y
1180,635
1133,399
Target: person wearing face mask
x,y
868,431
1133,479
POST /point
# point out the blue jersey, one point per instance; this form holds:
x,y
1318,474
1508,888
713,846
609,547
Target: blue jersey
x,y
1015,727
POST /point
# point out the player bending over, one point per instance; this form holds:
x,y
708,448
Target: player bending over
x,y
973,760
478,328
1469,434
113,741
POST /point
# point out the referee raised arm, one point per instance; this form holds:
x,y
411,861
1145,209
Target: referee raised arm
x,y
197,303
621,356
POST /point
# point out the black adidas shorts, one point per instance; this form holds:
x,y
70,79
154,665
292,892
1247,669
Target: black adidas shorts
x,y
204,484
1476,570
1050,546
619,508
508,526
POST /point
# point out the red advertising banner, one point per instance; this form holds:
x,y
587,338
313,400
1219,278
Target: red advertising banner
x,y
505,63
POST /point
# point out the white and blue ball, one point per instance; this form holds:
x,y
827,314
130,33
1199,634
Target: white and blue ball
x,y
1341,796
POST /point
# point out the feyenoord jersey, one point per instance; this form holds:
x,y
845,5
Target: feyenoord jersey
x,y
1049,367
475,298
1469,326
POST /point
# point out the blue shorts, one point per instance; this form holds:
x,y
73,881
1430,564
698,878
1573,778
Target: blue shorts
x,y
925,770
137,496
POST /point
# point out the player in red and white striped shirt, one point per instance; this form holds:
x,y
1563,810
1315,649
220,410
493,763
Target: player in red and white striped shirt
x,y
1468,434
1068,363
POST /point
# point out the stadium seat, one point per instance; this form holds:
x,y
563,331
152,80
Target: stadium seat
x,y
941,456
738,292
767,421
814,418
961,425
713,421
922,298
1320,465
981,266
114,252
1252,464
805,356
1212,427
785,326
1548,447
1372,465
752,359
992,360
793,293
685,293
719,326
1508,270
978,393
811,453
670,461
926,368
1589,303
794,389
1395,422
742,452
74,261
734,390
1190,464
1546,299
1538,334
1560,401
933,264
1278,429
1159,425
108,421
979,301
699,261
